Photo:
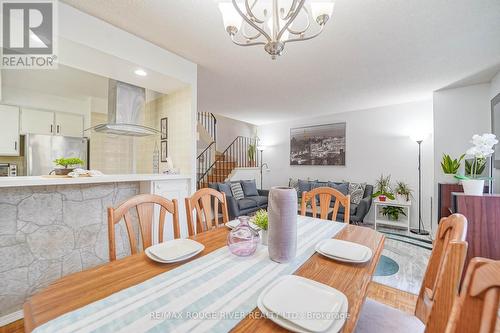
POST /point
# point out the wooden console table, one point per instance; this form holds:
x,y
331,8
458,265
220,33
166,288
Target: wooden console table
x,y
483,229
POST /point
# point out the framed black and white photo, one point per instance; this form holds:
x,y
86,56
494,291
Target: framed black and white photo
x,y
318,145
164,128
164,151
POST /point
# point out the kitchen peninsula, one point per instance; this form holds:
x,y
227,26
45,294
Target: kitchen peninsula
x,y
51,227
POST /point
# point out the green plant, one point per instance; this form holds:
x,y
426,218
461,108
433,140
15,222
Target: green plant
x,y
451,166
383,186
404,189
66,162
252,149
477,165
392,212
260,219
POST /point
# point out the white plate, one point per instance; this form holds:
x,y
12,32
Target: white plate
x,y
155,258
344,251
308,297
234,223
174,250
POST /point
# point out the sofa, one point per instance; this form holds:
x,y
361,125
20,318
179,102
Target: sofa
x,y
253,199
360,204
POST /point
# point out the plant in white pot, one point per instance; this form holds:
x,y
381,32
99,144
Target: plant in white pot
x,y
482,148
261,220
450,166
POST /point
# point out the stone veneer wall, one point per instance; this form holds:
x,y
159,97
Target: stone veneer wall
x,y
47,232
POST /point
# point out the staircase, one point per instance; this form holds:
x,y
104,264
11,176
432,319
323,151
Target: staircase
x,y
214,166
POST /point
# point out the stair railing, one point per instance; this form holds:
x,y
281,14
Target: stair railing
x,y
205,160
238,154
208,120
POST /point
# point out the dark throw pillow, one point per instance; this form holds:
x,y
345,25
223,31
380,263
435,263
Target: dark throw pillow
x,y
249,188
226,189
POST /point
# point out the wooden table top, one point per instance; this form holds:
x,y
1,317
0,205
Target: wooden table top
x,y
77,290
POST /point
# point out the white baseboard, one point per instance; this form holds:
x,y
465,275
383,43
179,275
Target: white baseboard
x,y
11,317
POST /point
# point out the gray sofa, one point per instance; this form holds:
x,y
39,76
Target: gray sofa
x,y
253,200
358,211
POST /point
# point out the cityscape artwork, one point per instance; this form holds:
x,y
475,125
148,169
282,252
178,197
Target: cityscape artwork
x,y
318,145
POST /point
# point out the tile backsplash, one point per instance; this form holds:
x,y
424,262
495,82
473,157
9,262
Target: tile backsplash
x,y
19,160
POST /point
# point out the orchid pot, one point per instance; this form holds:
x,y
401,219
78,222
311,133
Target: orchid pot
x,y
473,186
382,197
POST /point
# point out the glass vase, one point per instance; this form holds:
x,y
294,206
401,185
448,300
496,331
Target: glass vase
x,y
243,240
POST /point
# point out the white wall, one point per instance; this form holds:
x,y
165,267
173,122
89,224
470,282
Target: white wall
x,y
458,114
377,142
247,173
228,129
495,86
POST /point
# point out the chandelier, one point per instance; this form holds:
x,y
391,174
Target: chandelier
x,y
274,23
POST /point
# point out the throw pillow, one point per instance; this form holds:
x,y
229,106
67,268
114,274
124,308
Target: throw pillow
x,y
304,186
339,186
356,190
225,188
294,183
237,191
249,187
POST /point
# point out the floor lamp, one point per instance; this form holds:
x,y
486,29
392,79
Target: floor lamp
x,y
261,149
420,230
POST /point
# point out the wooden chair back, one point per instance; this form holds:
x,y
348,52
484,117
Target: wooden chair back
x,y
325,195
476,308
444,270
144,205
205,202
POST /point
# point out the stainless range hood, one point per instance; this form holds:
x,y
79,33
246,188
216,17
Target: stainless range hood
x,y
126,104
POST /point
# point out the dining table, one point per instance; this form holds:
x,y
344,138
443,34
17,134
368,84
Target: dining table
x,y
78,290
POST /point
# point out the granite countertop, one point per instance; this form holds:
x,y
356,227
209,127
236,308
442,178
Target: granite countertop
x,y
42,181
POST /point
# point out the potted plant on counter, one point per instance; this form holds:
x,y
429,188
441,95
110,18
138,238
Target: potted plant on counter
x,y
473,182
383,186
451,166
403,191
66,165
261,221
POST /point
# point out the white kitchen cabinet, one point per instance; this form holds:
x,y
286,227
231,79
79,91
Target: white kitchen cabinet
x,y
51,123
9,130
37,122
171,189
68,124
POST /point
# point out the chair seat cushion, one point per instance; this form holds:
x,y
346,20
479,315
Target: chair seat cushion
x,y
376,317
246,203
259,199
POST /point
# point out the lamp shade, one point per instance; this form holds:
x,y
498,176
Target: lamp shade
x,y
230,16
419,136
261,147
321,7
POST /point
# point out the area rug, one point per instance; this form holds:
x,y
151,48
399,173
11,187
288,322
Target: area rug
x,y
386,267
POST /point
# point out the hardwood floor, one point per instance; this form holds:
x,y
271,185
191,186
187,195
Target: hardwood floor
x,y
393,297
15,327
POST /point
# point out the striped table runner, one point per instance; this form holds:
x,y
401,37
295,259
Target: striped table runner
x,y
210,294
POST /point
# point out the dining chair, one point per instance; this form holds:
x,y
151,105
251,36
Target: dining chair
x,y
476,308
144,205
437,293
205,202
325,195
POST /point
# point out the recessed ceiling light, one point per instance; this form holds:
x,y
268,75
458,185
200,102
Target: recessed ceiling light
x,y
140,72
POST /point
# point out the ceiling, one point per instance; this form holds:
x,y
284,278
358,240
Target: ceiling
x,y
372,53
64,81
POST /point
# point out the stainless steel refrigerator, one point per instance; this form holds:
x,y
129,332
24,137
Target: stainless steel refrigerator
x,y
42,150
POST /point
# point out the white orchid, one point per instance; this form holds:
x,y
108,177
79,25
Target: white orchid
x,y
483,145
481,149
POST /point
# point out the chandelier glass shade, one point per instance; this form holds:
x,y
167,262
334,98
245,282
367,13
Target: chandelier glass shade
x,y
274,23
